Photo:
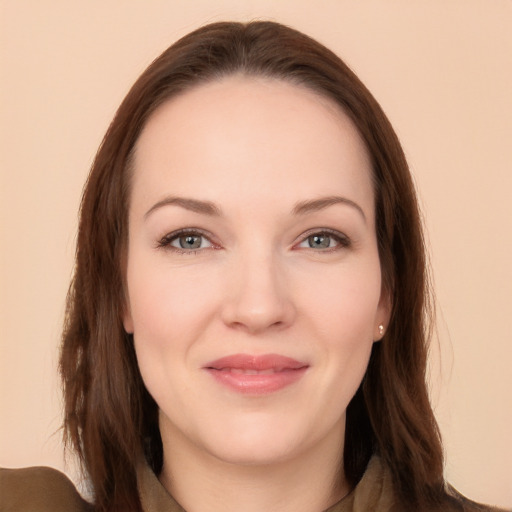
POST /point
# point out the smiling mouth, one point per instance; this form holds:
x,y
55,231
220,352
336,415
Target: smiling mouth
x,y
256,375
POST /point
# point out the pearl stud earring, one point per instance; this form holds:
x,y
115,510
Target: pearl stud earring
x,y
381,329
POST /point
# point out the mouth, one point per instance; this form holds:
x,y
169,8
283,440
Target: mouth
x,y
256,375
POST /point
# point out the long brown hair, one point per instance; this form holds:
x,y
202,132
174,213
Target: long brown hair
x,y
110,419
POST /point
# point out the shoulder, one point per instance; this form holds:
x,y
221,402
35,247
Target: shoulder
x,y
467,505
39,489
377,487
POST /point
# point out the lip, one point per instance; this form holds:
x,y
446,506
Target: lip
x,y
256,375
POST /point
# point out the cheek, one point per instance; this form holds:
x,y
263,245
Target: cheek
x,y
167,303
171,309
345,302
168,309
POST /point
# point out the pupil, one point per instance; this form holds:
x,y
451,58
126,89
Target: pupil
x,y
321,241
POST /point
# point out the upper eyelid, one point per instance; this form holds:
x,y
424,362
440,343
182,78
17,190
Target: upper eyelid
x,y
327,231
187,231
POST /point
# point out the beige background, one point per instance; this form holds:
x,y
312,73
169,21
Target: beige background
x,y
441,70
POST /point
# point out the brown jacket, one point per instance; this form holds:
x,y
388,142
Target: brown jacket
x,y
42,489
39,489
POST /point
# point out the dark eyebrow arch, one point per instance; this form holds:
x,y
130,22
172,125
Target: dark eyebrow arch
x,y
194,205
315,205
209,208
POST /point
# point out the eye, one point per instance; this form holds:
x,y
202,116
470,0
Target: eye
x,y
324,240
185,241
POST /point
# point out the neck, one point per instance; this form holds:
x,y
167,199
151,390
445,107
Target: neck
x,y
199,481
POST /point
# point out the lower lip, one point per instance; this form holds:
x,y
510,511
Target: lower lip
x,y
257,384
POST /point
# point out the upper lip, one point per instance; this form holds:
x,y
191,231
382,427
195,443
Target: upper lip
x,y
263,362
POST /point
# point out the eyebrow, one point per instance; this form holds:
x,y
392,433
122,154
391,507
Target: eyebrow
x,y
194,205
315,205
211,209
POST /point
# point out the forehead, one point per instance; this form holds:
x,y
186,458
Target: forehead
x,y
250,138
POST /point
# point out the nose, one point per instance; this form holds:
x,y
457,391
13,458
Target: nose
x,y
259,296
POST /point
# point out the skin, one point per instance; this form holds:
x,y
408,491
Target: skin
x,y
257,149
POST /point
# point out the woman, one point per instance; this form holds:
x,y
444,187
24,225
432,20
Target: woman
x,y
247,327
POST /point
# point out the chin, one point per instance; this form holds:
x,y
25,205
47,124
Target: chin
x,y
256,444
253,455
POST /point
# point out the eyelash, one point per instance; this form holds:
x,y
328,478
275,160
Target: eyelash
x,y
165,243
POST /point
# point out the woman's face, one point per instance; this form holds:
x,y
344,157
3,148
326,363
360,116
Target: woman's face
x,y
253,276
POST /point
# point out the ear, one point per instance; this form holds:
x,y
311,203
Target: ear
x,y
127,318
383,315
125,302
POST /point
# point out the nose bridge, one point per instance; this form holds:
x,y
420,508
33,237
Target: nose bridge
x,y
260,297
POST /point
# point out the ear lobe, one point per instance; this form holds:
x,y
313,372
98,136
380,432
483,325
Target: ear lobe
x,y
379,333
383,316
